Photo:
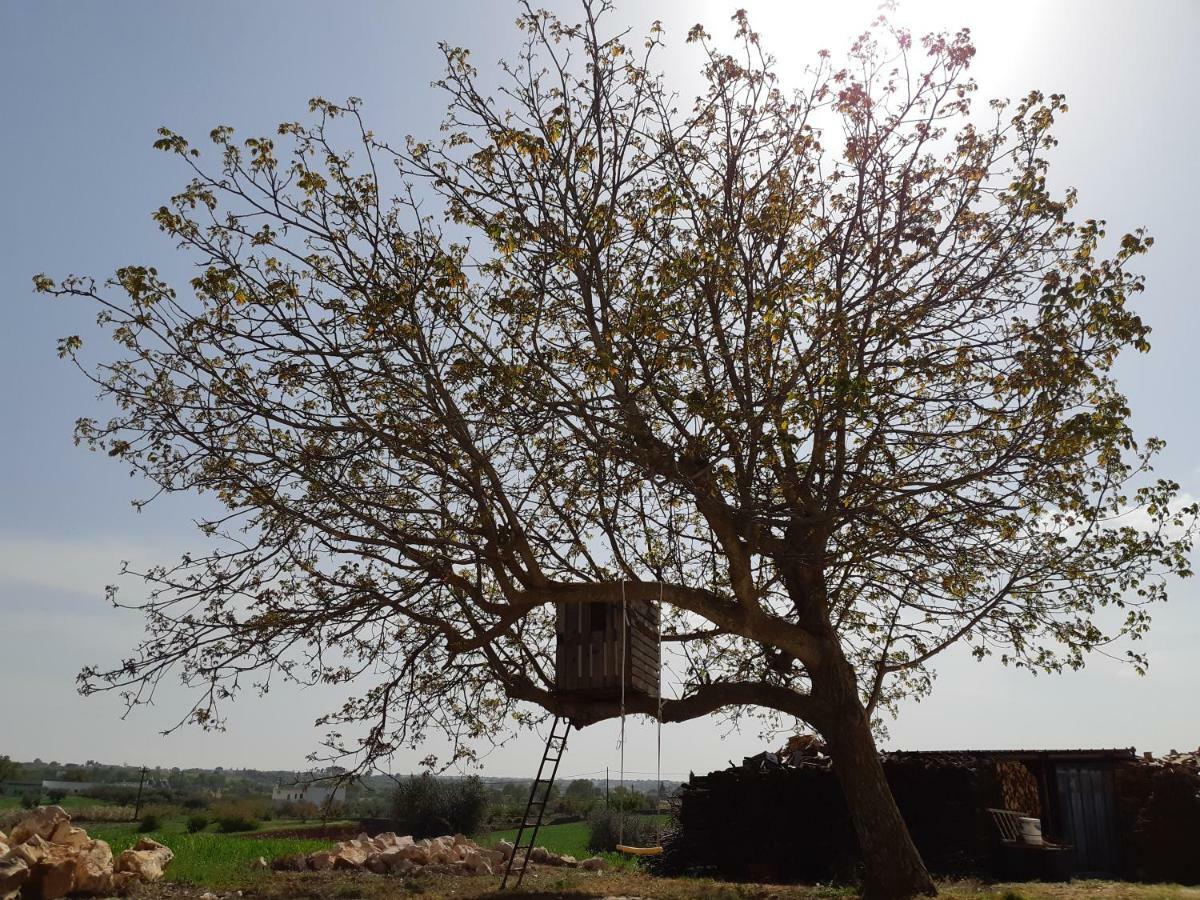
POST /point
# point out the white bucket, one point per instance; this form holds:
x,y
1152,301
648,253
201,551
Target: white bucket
x,y
1031,831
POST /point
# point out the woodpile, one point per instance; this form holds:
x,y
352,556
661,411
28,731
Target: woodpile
x,y
1188,760
1019,788
781,817
1158,802
46,857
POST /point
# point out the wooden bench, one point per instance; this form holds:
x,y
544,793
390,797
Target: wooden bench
x,y
1021,860
1008,823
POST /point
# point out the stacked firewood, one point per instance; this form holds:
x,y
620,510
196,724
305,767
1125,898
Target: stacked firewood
x,y
1186,760
1019,788
782,817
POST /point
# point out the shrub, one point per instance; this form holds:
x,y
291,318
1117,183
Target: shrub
x,y
150,822
56,796
468,802
300,809
428,807
196,823
605,830
113,793
230,824
237,815
29,801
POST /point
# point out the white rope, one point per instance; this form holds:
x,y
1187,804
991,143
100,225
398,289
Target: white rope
x,y
658,791
624,631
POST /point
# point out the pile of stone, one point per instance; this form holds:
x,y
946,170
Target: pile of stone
x,y
46,857
390,854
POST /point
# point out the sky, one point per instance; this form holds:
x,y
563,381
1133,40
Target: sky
x,y
83,87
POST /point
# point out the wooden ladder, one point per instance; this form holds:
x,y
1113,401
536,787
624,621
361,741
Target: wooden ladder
x,y
539,797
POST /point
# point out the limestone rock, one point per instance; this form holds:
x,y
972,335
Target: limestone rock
x,y
41,822
294,862
567,860
14,872
349,856
146,860
389,840
259,864
414,853
390,854
32,851
66,833
539,855
122,881
476,863
320,860
93,868
593,864
55,875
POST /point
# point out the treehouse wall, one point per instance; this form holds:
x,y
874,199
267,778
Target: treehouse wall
x,y
589,644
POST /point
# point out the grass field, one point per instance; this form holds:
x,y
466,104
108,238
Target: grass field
x,y
68,803
571,838
211,861
208,859
222,861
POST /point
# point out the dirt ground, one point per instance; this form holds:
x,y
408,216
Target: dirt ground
x,y
555,884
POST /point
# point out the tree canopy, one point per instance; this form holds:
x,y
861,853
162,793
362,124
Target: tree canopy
x,y
827,370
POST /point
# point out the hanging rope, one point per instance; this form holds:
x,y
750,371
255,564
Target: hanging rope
x,y
658,769
621,846
624,632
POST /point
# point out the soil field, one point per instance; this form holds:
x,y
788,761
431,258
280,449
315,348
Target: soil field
x,y
341,832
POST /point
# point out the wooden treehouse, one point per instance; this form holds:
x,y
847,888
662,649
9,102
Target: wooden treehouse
x,y
602,651
590,642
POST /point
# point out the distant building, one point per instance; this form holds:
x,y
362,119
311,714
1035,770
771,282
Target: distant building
x,y
316,793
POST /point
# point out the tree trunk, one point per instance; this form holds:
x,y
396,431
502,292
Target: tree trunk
x,y
894,869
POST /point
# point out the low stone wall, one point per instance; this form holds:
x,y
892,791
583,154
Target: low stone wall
x,y
391,854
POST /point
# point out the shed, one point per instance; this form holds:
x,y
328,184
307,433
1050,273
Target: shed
x,y
590,643
782,816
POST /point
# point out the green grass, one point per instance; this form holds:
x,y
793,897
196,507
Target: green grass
x,y
208,859
571,839
68,803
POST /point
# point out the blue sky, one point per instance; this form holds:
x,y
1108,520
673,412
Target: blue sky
x,y
84,86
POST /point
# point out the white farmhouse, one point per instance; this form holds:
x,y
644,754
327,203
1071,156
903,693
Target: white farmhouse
x,y
316,793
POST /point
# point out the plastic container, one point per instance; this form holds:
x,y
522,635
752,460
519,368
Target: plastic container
x,y
1031,831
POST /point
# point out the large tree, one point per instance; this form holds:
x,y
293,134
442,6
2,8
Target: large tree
x,y
826,371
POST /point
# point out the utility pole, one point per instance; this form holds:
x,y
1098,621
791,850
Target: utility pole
x,y
606,787
137,806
